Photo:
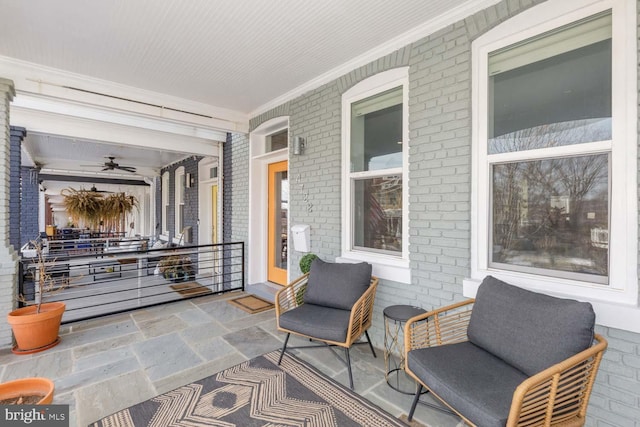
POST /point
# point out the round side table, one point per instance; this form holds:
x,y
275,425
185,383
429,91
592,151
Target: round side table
x,y
394,318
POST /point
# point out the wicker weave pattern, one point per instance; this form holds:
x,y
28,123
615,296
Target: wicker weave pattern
x,y
557,396
292,296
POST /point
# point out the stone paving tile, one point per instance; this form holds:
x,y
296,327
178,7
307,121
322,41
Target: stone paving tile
x,y
100,399
98,334
223,312
162,356
397,404
103,358
204,331
252,342
251,320
161,311
197,372
95,323
111,343
97,373
212,349
48,364
194,316
161,326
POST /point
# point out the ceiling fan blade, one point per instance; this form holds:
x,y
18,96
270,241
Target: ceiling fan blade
x,y
107,168
127,168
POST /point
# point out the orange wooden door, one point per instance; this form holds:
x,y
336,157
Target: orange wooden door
x,y
278,207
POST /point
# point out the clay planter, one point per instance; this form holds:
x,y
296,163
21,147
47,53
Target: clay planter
x,y
33,331
27,387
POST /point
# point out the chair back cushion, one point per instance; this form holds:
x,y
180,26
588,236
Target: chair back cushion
x,y
337,285
528,330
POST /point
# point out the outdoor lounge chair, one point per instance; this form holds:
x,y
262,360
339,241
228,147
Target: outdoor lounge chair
x,y
332,304
510,357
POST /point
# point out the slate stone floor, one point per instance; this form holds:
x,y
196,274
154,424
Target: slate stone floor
x,y
110,363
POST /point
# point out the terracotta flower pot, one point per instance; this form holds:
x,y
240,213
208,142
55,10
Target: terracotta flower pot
x,y
33,331
27,387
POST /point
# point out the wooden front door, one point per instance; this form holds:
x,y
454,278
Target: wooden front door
x,y
278,227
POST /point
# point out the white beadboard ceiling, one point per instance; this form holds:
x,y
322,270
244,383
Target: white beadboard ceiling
x,y
233,54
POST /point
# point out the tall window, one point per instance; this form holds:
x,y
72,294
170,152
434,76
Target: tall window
x,y
180,185
375,147
550,159
165,202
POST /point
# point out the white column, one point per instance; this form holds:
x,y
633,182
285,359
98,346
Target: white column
x,y
8,254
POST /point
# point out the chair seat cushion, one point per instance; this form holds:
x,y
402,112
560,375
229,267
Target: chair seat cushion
x,y
324,323
337,285
529,330
474,382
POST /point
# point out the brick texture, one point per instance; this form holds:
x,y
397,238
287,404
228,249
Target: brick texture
x,y
15,160
190,165
8,256
29,207
439,188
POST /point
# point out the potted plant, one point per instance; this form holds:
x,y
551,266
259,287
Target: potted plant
x,y
35,327
27,391
305,262
176,268
305,267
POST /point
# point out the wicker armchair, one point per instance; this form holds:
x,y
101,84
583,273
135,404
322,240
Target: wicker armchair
x,y
555,396
324,321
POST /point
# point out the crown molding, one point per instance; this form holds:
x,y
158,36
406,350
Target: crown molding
x,y
429,27
34,79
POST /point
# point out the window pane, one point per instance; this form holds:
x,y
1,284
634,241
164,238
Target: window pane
x,y
377,210
552,90
376,132
278,141
553,215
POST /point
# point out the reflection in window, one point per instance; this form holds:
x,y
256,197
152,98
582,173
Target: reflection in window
x,y
376,132
378,213
552,215
552,90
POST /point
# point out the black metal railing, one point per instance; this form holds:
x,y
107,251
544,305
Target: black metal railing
x,y
98,284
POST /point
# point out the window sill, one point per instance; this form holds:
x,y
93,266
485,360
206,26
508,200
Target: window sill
x,y
609,314
394,269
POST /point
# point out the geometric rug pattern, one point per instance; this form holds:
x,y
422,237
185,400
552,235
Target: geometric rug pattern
x,y
257,392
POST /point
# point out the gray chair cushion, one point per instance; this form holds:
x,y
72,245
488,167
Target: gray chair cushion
x,y
477,384
337,285
317,321
528,330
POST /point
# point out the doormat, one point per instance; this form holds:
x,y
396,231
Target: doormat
x,y
251,304
257,392
190,289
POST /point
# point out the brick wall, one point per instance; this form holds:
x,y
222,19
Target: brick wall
x,y
190,197
15,160
8,256
439,189
30,205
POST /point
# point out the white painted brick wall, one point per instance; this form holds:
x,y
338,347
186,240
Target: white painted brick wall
x,y
8,257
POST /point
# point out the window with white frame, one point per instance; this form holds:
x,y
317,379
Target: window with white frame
x,y
551,144
165,202
375,137
180,185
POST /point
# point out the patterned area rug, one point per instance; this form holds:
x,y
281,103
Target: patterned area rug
x,y
251,304
256,393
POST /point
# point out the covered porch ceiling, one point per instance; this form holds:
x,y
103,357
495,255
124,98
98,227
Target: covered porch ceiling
x,y
126,78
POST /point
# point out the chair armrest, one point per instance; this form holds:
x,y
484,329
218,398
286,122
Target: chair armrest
x,y
362,313
560,393
292,295
445,325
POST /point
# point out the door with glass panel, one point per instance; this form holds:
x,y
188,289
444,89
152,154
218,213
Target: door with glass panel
x,y
278,223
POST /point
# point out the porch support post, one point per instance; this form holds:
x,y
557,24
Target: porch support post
x,y
8,254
